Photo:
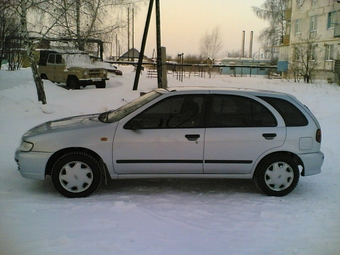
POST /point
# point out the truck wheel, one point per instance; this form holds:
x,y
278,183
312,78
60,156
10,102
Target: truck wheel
x,y
43,76
73,83
100,85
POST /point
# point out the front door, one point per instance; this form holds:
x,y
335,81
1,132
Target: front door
x,y
166,138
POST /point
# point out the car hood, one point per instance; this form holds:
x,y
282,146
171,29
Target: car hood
x,y
70,123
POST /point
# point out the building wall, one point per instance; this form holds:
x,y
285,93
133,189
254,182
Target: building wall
x,y
301,12
257,67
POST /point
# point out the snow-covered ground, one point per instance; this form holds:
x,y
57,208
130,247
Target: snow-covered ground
x,y
163,216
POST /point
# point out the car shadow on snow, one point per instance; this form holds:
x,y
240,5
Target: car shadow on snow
x,y
190,186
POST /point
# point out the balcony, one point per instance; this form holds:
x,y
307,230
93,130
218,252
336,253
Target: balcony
x,y
286,40
288,14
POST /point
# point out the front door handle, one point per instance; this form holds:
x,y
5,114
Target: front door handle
x,y
269,136
192,137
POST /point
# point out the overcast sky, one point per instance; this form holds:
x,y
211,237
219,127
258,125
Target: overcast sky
x,y
185,22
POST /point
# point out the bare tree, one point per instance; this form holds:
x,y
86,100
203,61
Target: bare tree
x,y
234,54
60,18
305,58
9,30
211,44
22,9
274,12
84,19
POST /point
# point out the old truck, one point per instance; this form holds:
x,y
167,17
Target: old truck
x,y
71,67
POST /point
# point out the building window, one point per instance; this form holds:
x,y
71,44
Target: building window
x,y
329,51
299,2
298,26
331,20
313,23
314,52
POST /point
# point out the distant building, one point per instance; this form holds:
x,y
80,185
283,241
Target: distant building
x,y
132,55
244,66
318,20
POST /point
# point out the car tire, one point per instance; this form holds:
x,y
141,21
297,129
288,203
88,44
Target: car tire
x,y
100,84
73,83
76,174
277,175
43,76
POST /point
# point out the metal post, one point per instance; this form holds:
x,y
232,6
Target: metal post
x,y
141,54
182,67
159,47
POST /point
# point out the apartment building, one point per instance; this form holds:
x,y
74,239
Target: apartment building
x,y
315,23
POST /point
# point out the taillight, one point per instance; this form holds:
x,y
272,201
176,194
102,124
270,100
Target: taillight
x,y
318,135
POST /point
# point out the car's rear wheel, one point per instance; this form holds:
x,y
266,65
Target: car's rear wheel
x,y
277,175
73,82
76,174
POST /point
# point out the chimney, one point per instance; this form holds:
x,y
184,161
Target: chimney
x,y
243,43
251,44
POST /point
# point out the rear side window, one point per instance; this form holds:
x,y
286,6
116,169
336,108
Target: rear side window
x,y
292,116
238,111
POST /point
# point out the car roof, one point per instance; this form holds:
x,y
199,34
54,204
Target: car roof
x,y
212,90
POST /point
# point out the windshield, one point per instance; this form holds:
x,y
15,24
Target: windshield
x,y
115,115
77,60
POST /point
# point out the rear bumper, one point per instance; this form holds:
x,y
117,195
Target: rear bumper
x,y
312,163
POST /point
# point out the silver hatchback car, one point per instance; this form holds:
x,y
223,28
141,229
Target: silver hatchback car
x,y
180,133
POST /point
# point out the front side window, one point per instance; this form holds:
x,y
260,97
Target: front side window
x,y
51,59
238,111
184,111
58,59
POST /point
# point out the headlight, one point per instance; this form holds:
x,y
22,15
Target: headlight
x,y
26,146
104,71
86,72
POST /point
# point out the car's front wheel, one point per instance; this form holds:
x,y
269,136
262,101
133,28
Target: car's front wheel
x,y
76,174
73,82
100,84
277,175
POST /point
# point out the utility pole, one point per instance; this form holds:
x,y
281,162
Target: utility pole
x,y
161,76
159,47
141,53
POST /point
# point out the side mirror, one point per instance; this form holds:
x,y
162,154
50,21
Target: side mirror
x,y
136,124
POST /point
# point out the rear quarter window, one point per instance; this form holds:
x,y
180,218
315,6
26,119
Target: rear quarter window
x,y
292,116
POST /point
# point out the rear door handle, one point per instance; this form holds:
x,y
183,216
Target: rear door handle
x,y
269,136
192,137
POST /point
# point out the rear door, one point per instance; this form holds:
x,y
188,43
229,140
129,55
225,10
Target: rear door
x,y
166,138
239,130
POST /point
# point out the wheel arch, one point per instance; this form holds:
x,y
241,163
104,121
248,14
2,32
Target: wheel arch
x,y
292,155
61,152
72,76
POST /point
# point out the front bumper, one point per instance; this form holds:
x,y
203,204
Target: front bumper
x,y
312,163
32,164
